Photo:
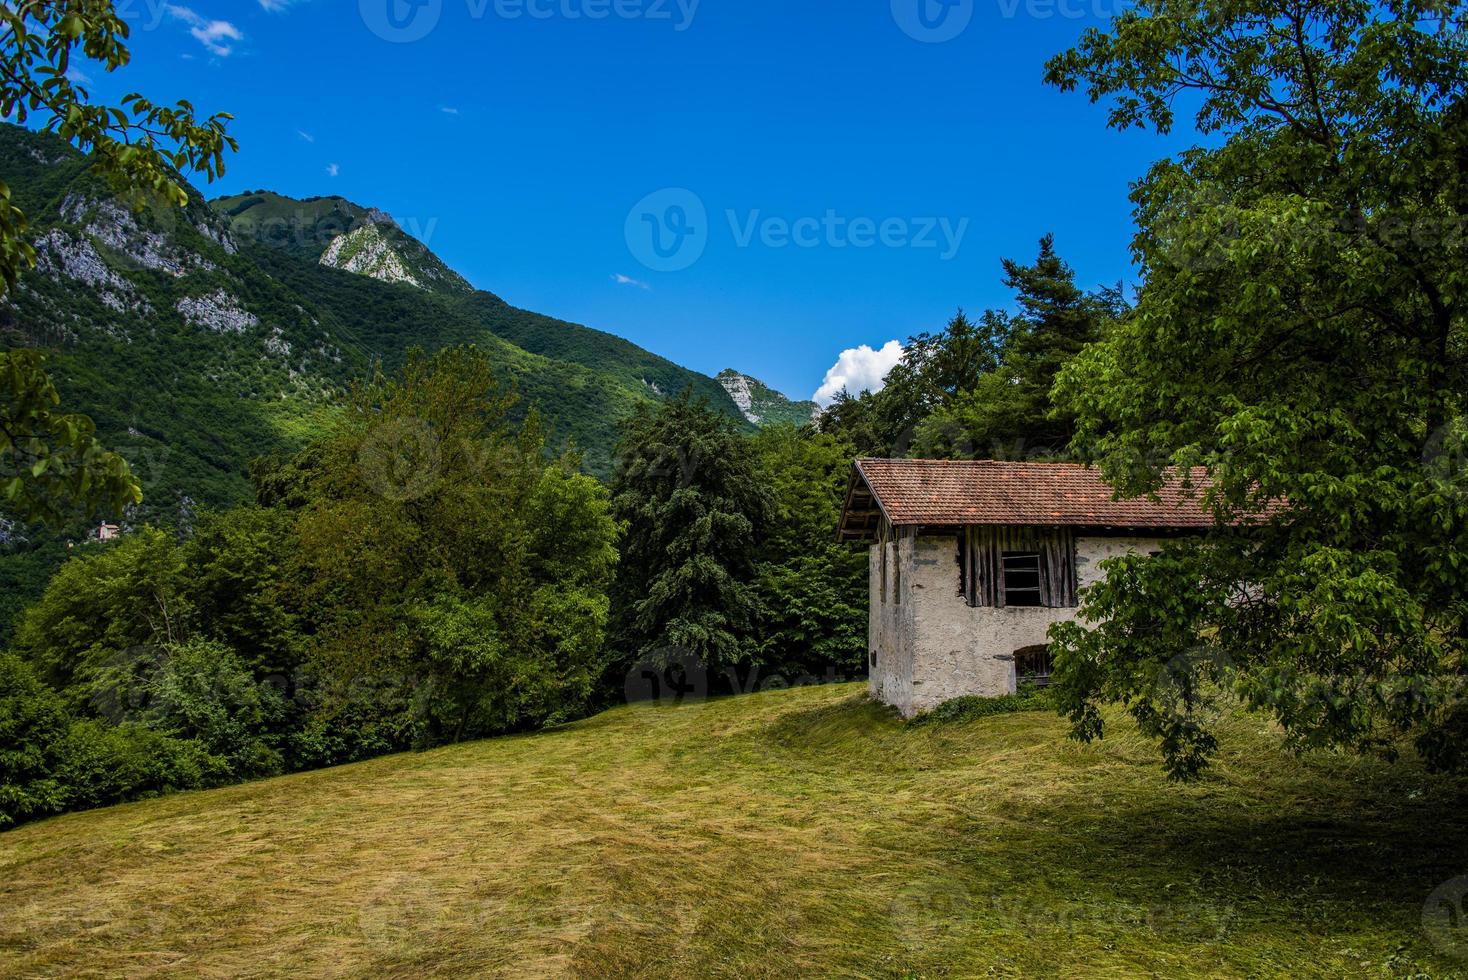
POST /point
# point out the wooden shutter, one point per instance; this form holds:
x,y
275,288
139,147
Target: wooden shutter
x,y
1058,568
981,554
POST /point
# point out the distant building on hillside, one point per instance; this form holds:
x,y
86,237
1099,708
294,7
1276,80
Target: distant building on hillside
x,y
971,561
106,532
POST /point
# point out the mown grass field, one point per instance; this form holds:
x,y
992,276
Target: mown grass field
x,y
791,832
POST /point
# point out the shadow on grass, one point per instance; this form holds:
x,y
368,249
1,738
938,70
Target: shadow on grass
x,y
1267,861
1278,853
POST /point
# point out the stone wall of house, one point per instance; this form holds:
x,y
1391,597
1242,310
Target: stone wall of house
x,y
931,646
891,627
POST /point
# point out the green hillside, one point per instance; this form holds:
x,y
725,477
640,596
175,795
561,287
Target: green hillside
x,y
634,367
189,358
303,229
201,338
795,832
385,320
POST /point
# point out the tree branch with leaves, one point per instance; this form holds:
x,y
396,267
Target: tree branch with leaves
x,y
51,462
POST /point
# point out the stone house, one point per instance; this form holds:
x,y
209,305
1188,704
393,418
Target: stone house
x,y
971,561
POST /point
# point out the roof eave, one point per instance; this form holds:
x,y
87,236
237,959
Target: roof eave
x,y
858,479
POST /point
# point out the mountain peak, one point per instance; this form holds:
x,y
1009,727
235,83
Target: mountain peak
x,y
340,234
761,404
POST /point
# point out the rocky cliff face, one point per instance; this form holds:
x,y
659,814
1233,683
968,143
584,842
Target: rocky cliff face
x,y
365,251
762,405
340,234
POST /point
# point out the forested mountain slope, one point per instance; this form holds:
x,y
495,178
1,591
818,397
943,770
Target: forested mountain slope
x,y
199,338
325,231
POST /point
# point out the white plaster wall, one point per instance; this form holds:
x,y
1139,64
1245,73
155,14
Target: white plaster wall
x,y
934,647
1091,551
891,625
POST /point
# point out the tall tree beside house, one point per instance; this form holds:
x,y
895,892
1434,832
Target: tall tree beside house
x,y
1301,334
813,589
981,388
52,464
852,418
935,369
688,493
1007,413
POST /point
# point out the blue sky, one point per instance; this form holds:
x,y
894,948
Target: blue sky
x,y
859,171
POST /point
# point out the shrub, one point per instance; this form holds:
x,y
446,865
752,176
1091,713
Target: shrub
x,y
102,763
202,691
32,724
972,707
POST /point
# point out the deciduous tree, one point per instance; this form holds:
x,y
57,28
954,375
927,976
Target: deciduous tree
x,y
444,555
1300,333
814,590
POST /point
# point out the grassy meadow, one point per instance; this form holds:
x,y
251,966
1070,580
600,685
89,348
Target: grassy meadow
x,y
805,831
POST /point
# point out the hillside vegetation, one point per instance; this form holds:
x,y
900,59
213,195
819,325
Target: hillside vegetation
x,y
616,372
797,831
199,338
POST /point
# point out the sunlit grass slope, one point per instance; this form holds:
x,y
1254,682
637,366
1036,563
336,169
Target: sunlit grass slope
x,y
803,831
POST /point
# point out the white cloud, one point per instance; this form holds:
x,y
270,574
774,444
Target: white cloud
x,y
622,280
275,6
214,34
217,36
78,77
305,136
858,369
332,170
448,109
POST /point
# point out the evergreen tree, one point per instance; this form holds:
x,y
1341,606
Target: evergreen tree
x,y
1007,412
687,491
981,389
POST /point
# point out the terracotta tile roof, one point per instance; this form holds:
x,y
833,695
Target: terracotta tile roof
x,y
961,492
